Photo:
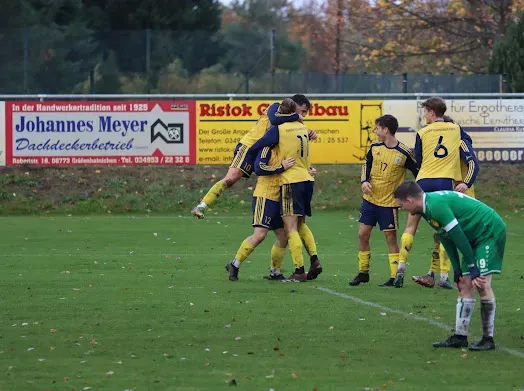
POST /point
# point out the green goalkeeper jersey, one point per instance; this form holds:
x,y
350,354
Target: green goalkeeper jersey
x,y
447,210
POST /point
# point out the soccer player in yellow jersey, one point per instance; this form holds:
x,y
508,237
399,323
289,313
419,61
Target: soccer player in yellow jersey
x,y
437,152
296,190
385,169
266,210
469,167
244,158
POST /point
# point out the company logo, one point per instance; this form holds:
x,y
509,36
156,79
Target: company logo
x,y
171,133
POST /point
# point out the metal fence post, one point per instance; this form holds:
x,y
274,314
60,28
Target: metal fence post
x,y
26,58
246,82
92,81
405,83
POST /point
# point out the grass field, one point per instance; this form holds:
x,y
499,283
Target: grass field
x,y
144,303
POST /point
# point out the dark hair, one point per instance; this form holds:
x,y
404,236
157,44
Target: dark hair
x,y
300,100
435,104
447,118
288,106
388,121
408,189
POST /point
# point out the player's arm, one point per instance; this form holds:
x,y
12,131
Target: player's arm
x,y
366,172
411,164
467,154
449,223
417,151
262,166
271,137
452,251
277,118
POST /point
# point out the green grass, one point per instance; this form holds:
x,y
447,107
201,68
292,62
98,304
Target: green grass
x,y
144,303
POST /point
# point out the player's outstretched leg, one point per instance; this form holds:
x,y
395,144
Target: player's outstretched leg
x,y
308,240
278,251
364,255
244,251
391,239
487,314
233,176
465,306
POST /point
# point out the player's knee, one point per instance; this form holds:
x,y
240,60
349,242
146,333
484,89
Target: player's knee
x,y
363,237
391,238
258,236
232,177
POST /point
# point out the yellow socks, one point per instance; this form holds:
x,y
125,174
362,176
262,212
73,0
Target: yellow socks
x,y
363,261
307,238
243,252
406,243
277,257
295,247
216,190
393,264
445,263
435,259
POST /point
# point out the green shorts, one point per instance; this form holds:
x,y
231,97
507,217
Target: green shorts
x,y
489,255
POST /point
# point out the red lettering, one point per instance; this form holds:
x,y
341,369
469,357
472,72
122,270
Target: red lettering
x,y
213,110
246,110
236,111
330,111
204,110
261,108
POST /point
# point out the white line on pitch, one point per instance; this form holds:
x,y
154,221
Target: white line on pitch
x,y
407,315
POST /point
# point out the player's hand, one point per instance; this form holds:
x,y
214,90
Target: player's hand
x,y
461,187
479,282
312,171
366,188
313,134
289,162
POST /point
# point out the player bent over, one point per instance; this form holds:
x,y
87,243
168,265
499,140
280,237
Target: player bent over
x,y
244,158
296,191
467,225
386,163
469,167
437,153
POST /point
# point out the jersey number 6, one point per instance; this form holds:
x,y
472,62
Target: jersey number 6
x,y
440,150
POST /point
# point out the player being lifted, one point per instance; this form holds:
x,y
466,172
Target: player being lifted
x,y
469,167
467,225
244,158
266,209
385,169
296,191
437,153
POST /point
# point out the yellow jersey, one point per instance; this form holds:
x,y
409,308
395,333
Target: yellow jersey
x,y
270,117
293,140
437,151
385,169
268,167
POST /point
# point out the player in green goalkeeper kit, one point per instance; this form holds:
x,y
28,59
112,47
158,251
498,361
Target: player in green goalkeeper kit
x,y
467,225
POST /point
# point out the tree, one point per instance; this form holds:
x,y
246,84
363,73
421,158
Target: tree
x,y
508,55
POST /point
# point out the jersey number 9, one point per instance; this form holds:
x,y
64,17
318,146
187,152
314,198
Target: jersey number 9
x,y
440,150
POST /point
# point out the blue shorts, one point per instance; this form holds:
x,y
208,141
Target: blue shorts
x,y
435,184
243,159
266,213
295,198
386,217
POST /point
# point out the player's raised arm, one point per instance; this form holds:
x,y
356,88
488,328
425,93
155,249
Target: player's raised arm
x,y
270,138
467,155
417,151
277,118
262,166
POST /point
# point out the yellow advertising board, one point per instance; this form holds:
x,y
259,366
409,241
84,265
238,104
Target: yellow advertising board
x,y
344,127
